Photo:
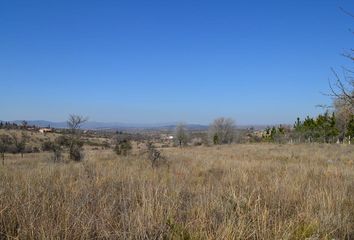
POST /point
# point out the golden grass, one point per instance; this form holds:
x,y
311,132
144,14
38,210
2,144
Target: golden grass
x,y
36,138
259,191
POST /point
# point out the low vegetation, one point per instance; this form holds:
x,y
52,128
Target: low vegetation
x,y
263,191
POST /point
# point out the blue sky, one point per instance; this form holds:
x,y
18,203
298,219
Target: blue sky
x,y
259,62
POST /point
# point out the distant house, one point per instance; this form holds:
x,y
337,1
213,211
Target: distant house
x,y
166,137
45,130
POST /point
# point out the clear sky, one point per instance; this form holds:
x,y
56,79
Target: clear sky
x,y
259,62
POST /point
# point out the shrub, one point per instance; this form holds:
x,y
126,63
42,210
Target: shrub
x,y
123,147
76,153
57,153
35,149
197,141
155,156
55,148
63,141
47,146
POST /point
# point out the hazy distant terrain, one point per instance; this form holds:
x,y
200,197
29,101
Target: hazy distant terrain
x,y
125,126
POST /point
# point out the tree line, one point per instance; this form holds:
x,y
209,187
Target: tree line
x,y
325,128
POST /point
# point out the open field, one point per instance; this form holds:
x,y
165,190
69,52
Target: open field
x,y
249,191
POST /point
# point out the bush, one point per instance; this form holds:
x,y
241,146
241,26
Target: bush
x,y
57,154
12,149
197,141
53,147
106,145
63,141
47,146
155,156
28,149
35,149
123,147
76,153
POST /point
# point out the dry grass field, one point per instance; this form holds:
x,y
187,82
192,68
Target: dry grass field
x,y
255,191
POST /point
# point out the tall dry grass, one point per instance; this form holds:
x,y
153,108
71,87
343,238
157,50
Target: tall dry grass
x,y
230,192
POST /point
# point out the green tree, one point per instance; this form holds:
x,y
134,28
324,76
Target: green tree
x,y
350,130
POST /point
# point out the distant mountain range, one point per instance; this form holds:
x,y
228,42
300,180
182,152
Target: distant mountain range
x,y
108,125
124,126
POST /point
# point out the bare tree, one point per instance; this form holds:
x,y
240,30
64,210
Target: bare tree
x,y
221,131
75,122
5,142
342,92
181,134
342,87
343,113
75,148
